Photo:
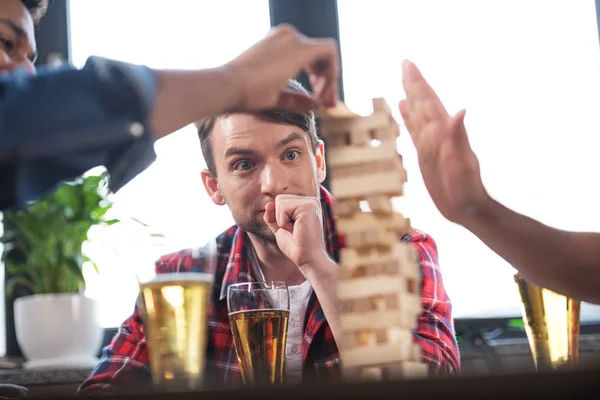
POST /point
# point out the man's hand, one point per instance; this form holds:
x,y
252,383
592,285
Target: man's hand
x,y
449,166
297,223
262,71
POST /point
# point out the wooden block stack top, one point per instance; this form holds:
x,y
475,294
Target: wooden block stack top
x,y
379,276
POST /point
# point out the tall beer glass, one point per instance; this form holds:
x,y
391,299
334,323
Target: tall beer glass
x,y
552,324
174,310
258,314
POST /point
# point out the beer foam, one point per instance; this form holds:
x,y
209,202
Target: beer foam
x,y
183,276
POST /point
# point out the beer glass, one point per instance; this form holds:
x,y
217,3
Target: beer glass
x,y
174,310
258,315
552,325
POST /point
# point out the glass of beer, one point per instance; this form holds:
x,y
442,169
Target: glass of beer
x,y
174,309
258,314
552,325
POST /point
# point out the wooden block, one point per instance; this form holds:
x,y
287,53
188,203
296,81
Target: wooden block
x,y
363,374
371,374
342,126
377,355
346,208
380,204
350,321
369,222
359,137
340,110
401,255
381,105
406,370
371,286
338,141
389,183
365,338
369,168
388,134
392,267
353,155
398,301
409,301
416,353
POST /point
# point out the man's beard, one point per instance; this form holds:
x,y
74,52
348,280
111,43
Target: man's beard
x,y
257,228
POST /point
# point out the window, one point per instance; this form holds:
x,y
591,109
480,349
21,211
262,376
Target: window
x,y
528,75
169,195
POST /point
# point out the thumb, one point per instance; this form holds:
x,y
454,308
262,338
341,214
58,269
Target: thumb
x,y
457,127
270,218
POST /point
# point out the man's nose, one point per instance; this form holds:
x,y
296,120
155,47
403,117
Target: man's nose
x,y
274,180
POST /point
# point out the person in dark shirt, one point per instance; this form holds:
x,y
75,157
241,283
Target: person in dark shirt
x,y
57,124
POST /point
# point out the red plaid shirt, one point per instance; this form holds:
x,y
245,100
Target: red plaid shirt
x,y
125,366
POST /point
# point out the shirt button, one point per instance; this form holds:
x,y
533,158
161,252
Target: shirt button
x,y
294,349
136,129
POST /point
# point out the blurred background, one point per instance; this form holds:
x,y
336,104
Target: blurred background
x,y
528,73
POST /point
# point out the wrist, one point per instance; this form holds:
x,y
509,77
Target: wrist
x,y
234,82
321,266
480,213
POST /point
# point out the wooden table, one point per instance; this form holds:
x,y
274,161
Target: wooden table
x,y
578,384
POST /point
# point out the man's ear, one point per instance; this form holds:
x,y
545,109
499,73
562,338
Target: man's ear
x,y
212,187
320,161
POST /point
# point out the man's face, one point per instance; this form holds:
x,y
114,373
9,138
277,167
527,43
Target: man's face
x,y
255,161
17,40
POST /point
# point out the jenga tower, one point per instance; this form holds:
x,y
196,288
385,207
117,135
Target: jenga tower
x,y
379,278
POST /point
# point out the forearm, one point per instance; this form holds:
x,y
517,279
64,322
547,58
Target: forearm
x,y
323,279
185,97
567,262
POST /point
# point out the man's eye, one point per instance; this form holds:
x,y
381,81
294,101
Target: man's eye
x,y
243,166
7,44
291,155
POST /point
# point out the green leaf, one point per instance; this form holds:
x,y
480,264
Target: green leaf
x,y
92,262
75,269
100,211
17,268
140,222
157,235
18,280
50,231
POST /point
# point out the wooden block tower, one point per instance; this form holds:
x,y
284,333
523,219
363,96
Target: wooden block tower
x,y
380,278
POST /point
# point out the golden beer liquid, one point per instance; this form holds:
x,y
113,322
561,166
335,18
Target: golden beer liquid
x,y
260,337
175,324
552,324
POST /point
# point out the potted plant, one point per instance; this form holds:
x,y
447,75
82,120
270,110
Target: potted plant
x,y
57,325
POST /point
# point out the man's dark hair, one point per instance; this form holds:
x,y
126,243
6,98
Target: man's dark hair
x,y
37,8
304,121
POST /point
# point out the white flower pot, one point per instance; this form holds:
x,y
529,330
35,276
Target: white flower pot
x,y
58,330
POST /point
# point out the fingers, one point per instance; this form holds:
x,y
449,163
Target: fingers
x,y
421,98
269,217
290,208
323,68
295,101
285,215
406,116
457,127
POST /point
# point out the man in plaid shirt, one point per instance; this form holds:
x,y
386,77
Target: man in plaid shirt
x,y
268,168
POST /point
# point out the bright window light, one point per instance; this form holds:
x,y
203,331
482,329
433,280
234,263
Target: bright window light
x,y
528,74
183,34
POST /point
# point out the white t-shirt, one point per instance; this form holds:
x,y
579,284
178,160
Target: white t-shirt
x,y
299,296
